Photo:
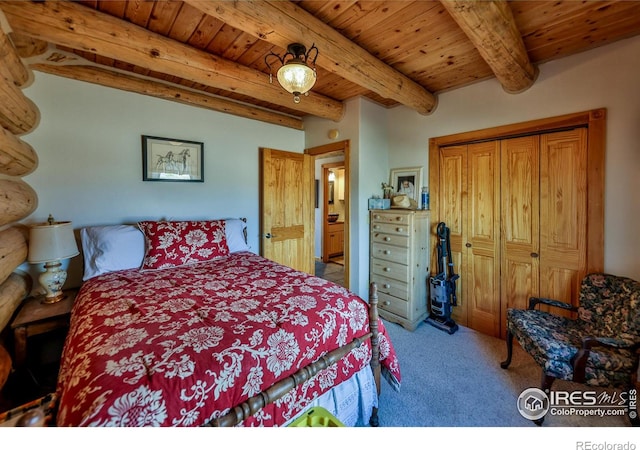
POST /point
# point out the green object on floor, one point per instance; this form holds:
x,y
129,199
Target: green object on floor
x,y
316,417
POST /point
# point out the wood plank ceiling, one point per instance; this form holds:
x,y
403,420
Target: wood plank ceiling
x,y
212,54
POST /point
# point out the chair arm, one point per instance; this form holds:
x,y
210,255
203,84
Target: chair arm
x,y
592,341
533,301
588,342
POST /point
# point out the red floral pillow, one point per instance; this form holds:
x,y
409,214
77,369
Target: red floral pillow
x,y
173,244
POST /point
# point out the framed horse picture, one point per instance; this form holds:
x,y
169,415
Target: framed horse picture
x,y
166,159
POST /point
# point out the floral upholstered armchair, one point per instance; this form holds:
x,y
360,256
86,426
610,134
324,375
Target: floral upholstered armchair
x,y
598,348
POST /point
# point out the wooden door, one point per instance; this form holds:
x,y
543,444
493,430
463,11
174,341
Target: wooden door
x,y
453,212
286,205
520,211
482,246
563,213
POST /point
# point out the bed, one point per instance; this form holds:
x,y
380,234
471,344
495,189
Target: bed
x,y
178,323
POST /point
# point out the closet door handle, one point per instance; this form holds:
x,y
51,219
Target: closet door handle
x,y
534,255
468,245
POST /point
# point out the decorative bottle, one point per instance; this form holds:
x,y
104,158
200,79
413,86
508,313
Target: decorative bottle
x,y
425,197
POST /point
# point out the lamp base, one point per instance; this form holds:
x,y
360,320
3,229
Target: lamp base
x,y
50,300
52,280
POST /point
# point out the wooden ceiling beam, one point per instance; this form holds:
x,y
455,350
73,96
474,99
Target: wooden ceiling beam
x,y
282,23
145,86
46,58
492,29
73,25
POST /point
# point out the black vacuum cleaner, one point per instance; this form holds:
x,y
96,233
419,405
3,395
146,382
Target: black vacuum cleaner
x,y
443,286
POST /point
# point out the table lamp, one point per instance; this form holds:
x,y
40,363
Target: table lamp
x,y
49,243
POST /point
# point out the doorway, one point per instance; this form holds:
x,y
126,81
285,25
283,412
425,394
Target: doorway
x,y
331,251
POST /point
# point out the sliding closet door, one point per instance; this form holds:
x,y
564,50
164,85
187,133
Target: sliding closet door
x,y
520,221
453,212
563,213
482,244
470,206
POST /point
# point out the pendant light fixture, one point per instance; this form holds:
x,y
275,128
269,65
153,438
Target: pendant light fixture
x,y
295,75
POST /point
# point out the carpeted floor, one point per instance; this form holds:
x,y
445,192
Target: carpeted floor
x,y
456,381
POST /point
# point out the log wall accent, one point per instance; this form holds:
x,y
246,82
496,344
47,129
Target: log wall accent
x,y
13,249
12,292
17,200
18,115
17,158
9,59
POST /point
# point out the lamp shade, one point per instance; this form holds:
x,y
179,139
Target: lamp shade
x,y
296,77
51,242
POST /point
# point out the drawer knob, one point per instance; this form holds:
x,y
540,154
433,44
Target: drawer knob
x,y
386,286
387,252
376,227
386,303
387,269
399,219
376,216
399,230
387,238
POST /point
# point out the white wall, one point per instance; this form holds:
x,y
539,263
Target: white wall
x,y
364,125
605,77
90,158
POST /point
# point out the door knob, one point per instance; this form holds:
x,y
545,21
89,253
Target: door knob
x,y
534,255
268,236
468,245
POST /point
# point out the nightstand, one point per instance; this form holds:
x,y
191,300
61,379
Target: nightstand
x,y
35,317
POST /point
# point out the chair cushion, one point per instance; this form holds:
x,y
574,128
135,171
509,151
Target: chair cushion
x,y
554,340
610,306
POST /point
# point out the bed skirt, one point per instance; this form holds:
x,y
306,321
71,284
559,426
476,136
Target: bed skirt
x,y
352,401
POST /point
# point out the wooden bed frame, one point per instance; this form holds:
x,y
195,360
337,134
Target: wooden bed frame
x,y
254,404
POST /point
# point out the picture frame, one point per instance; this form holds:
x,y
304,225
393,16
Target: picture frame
x,y
407,180
168,159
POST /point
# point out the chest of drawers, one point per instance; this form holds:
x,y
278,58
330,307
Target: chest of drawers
x,y
399,264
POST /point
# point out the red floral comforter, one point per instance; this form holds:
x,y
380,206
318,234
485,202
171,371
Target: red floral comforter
x,y
181,346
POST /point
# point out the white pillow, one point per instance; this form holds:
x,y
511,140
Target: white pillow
x,y
234,231
111,247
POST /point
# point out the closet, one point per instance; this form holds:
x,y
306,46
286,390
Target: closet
x,y
525,212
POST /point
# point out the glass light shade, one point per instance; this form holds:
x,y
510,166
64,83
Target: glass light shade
x,y
296,77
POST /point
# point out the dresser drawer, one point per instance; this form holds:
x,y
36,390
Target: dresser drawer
x,y
389,286
390,270
390,217
393,304
391,239
390,228
390,253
